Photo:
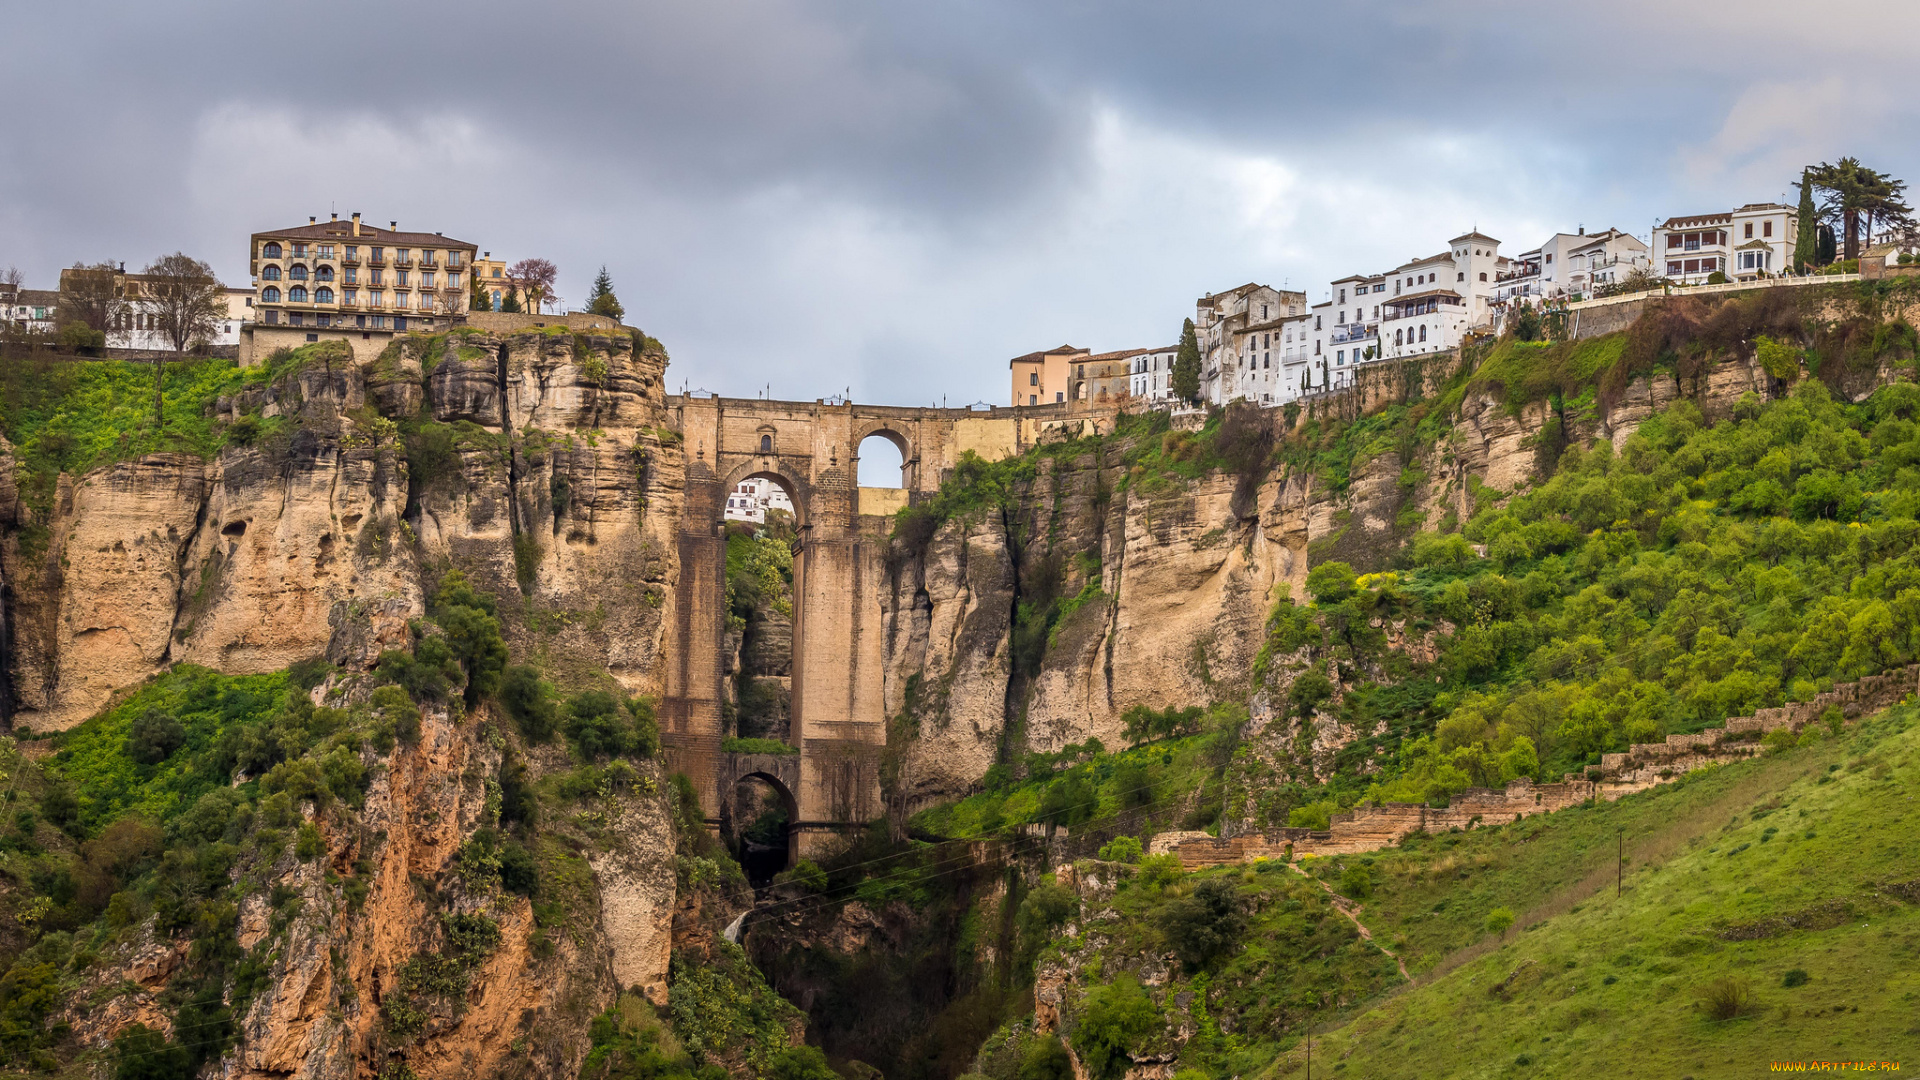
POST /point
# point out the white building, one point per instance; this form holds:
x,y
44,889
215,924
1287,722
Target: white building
x,y
138,329
29,310
1238,351
1743,244
751,499
1344,334
1568,266
1150,375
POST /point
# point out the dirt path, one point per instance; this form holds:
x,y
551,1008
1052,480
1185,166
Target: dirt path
x,y
1352,911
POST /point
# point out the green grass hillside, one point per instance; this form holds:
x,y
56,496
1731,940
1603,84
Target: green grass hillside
x,y
1770,911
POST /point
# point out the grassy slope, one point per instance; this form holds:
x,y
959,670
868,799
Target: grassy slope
x,y
1700,859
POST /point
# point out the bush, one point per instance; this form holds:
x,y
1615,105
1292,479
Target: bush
x,y
800,1063
1124,849
1796,977
519,872
1725,998
1330,583
78,335
1118,1015
807,874
309,846
1045,1057
1356,881
472,634
1159,870
1499,919
141,1053
1201,925
529,702
154,736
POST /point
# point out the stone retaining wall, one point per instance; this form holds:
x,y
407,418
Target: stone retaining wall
x,y
1643,765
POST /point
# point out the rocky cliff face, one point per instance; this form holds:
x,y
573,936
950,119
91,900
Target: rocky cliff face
x,y
546,477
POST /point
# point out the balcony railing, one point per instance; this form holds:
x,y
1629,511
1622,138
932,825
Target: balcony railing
x,y
1345,332
402,260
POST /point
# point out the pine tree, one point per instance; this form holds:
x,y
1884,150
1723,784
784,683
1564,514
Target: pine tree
x,y
478,299
1186,365
1806,241
511,300
601,300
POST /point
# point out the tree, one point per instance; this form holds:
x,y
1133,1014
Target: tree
x,y
1186,365
1118,1015
478,298
534,278
1806,240
510,300
1857,197
90,296
186,303
601,301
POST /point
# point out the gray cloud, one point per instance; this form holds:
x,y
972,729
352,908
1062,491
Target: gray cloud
x,y
898,197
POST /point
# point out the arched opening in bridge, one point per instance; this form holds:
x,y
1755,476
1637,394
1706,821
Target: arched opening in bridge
x,y
883,461
757,815
762,535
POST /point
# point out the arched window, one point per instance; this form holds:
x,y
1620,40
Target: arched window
x,y
271,273
323,273
1483,275
297,294
1396,337
271,251
766,444
297,272
270,294
1423,333
323,295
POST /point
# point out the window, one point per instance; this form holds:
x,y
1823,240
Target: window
x,y
1340,357
353,252
766,444
297,294
313,337
1396,337
350,275
270,251
271,273
323,273
1673,268
400,278
350,295
1749,232
496,272
1483,275
1343,316
1033,377
1766,228
1032,399
377,272
1549,260
1462,276
376,254
299,251
426,258
496,307
1343,297
426,279
1423,333
453,258
323,295
297,272
322,320
273,318
296,319
1058,396
1316,322
326,252
453,281
399,322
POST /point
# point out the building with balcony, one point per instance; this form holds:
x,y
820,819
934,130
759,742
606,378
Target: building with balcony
x,y
1238,332
1745,244
347,280
1344,333
1150,375
29,311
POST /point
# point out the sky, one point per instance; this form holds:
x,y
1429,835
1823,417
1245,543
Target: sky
x,y
810,198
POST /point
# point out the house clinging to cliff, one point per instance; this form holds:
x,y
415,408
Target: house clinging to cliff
x,y
350,280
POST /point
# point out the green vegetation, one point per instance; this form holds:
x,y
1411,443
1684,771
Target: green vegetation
x,y
1767,907
756,746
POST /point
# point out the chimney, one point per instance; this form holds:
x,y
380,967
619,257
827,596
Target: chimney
x,y
334,217
356,223
1583,230
394,225
311,219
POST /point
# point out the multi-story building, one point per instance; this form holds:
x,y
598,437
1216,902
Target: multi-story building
x,y
352,281
1743,244
1042,378
1608,257
491,273
138,327
1432,303
33,311
752,498
1150,375
1344,332
1237,332
1101,378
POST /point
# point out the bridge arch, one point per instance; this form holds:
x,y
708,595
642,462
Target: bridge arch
x,y
892,433
797,490
780,773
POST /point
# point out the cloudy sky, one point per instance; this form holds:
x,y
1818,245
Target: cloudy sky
x,y
897,197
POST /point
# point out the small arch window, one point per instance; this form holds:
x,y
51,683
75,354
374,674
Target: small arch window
x,y
297,294
1483,275
323,273
271,273
766,444
1423,333
297,272
271,251
270,294
323,295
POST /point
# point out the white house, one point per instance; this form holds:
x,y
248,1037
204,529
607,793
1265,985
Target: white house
x,y
1344,334
1150,375
1432,303
1743,244
1236,334
752,498
29,310
137,329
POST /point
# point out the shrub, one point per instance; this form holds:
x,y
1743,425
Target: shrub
x,y
1499,919
1356,881
1118,1015
1796,977
472,634
154,736
141,1053
1159,870
309,846
1201,925
396,713
1330,583
1317,816
1045,1058
1725,998
519,872
528,700
800,1063
807,874
594,725
1124,849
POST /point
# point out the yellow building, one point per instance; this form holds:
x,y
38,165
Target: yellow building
x,y
491,273
352,281
1042,378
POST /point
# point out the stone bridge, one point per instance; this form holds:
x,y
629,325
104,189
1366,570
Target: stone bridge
x,y
839,694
